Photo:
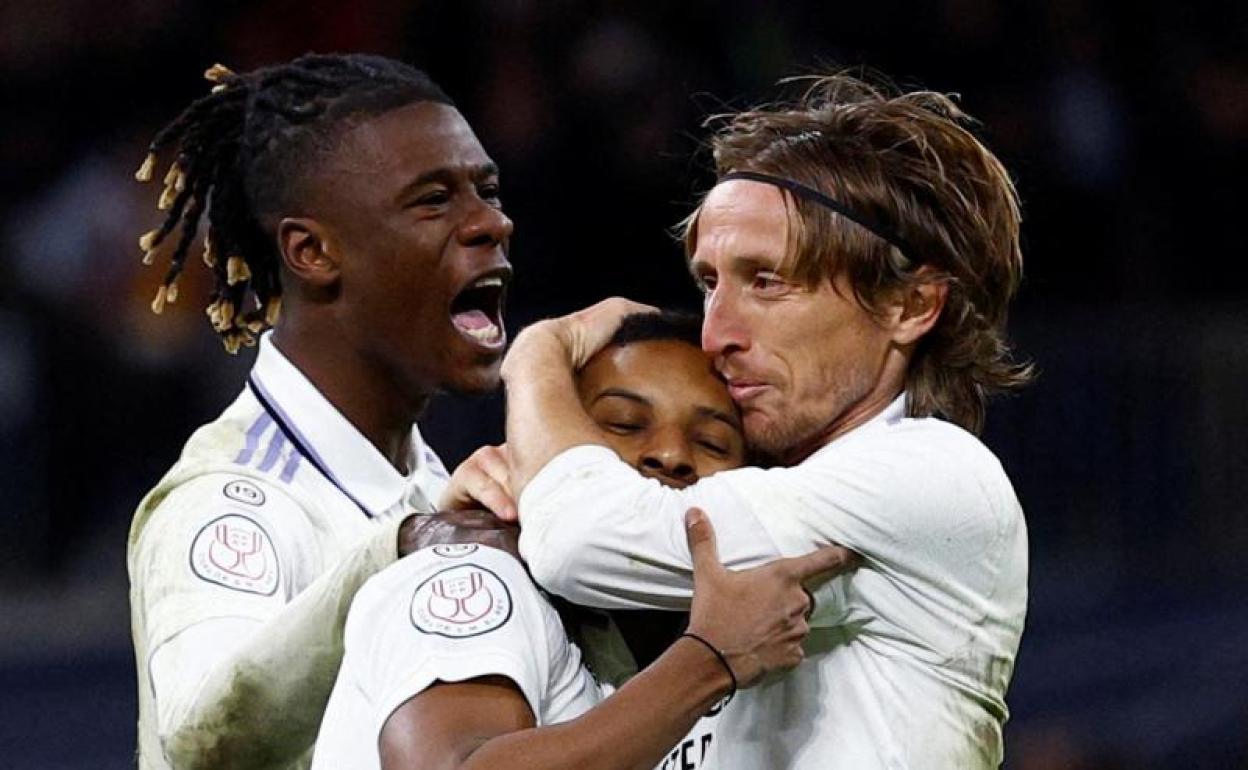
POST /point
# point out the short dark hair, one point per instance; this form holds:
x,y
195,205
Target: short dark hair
x,y
661,325
243,154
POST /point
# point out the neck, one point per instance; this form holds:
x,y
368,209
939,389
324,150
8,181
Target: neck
x,y
854,416
364,394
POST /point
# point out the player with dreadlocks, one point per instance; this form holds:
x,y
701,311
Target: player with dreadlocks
x,y
350,187
347,192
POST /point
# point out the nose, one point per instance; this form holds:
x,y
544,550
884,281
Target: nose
x,y
486,226
723,329
668,455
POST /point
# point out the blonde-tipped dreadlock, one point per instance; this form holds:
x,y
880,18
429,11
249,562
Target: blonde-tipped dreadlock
x,y
242,152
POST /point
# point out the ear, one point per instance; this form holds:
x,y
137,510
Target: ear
x,y
306,251
918,307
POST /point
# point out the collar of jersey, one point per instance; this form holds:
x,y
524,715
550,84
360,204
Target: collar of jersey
x,y
350,460
892,414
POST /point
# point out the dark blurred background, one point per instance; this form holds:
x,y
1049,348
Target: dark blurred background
x,y
1125,124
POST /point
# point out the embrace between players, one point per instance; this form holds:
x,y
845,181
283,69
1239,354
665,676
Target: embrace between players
x,y
857,255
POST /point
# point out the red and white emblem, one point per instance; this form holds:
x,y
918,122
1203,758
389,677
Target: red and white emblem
x,y
460,601
235,552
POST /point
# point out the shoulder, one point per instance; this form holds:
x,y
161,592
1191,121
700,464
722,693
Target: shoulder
x,y
453,591
920,460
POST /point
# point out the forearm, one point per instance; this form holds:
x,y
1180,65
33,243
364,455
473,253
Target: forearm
x,y
600,535
634,728
261,706
544,413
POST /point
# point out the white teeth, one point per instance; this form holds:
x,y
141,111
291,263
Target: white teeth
x,y
482,283
484,334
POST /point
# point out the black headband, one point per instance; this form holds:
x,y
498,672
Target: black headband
x,y
811,194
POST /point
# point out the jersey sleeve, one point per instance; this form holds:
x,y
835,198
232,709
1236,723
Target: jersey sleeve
x,y
242,644
451,613
598,533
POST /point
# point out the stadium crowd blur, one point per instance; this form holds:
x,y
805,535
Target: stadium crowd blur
x,y
1125,124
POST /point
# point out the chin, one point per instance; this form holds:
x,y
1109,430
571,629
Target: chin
x,y
475,380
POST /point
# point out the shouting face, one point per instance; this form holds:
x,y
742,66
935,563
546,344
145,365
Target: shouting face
x,y
413,222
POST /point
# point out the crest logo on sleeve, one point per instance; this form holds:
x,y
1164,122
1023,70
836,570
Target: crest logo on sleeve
x,y
461,601
235,552
455,550
244,492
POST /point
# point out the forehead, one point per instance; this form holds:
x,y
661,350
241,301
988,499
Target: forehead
x,y
407,142
669,367
742,218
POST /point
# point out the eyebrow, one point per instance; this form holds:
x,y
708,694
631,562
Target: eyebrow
x,y
621,393
724,417
448,175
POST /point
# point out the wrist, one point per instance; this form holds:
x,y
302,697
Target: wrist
x,y
706,669
539,346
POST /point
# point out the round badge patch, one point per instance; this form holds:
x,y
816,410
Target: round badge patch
x,y
461,601
244,492
235,552
455,550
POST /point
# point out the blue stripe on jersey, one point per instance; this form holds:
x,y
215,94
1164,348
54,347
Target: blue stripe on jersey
x,y
274,451
292,465
254,433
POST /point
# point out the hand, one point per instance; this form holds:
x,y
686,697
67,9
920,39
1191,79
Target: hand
x,y
587,331
482,481
423,530
755,617
574,338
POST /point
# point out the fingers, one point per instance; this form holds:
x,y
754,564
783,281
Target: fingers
x,y
825,562
482,480
701,537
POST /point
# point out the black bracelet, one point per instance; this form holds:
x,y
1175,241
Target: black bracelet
x,y
722,660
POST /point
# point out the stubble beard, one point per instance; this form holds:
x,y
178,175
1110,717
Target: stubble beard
x,y
794,433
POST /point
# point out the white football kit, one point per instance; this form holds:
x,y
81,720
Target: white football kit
x,y
448,614
910,655
243,560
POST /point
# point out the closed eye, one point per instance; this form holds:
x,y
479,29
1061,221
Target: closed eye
x,y
621,428
714,448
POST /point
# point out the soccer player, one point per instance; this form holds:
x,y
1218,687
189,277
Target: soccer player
x,y
857,254
348,193
453,657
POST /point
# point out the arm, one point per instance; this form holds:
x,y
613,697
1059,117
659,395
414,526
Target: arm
x,y
542,403
240,676
755,618
594,530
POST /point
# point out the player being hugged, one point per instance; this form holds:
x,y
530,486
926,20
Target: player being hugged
x,y
455,659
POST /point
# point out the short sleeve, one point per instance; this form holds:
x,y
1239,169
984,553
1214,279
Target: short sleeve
x,y
219,546
448,614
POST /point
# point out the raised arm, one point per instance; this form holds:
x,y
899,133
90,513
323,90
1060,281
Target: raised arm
x,y
755,620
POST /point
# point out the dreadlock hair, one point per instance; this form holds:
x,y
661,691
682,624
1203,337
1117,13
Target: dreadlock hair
x,y
240,154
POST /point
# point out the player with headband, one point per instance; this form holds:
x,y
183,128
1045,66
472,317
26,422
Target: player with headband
x,y
858,254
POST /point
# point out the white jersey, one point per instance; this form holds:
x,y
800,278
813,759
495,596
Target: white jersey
x,y
910,656
278,499
448,614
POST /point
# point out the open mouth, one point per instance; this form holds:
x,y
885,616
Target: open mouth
x,y
477,311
